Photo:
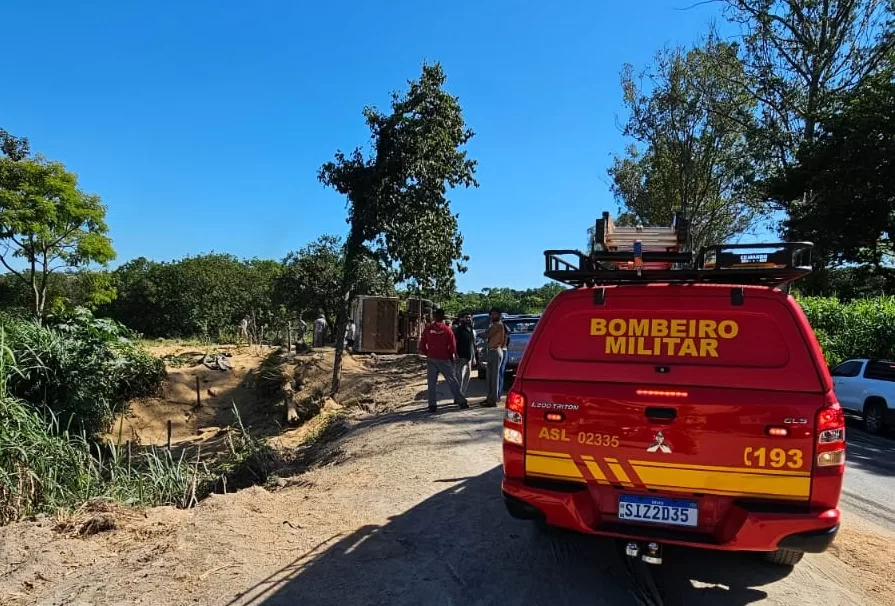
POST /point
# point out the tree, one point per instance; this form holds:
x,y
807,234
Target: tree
x,y
311,280
849,174
14,148
690,126
532,300
398,212
200,295
800,57
48,223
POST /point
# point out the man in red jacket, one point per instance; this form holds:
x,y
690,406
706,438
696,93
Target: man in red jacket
x,y
439,346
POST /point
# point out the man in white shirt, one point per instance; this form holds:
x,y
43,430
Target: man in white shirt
x,y
320,331
350,333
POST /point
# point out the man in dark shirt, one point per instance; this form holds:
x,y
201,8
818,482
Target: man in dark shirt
x,y
465,337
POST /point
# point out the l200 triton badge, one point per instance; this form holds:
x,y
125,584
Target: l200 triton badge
x,y
659,444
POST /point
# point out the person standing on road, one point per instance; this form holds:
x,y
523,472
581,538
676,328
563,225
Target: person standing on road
x,y
439,346
350,333
465,337
319,331
496,340
503,364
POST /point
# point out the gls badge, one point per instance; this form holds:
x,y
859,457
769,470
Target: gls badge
x,y
795,421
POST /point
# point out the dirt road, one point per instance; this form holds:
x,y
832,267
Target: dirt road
x,y
407,512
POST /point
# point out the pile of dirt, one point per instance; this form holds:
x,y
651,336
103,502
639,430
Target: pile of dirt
x,y
275,394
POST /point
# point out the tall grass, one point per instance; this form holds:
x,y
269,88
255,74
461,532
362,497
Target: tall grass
x,y
50,460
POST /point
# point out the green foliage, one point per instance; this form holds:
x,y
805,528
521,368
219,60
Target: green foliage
x,y
202,295
14,148
79,369
65,289
532,300
311,280
800,56
863,328
849,174
848,283
45,466
691,124
396,195
47,224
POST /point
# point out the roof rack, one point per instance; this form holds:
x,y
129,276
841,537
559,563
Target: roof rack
x,y
661,246
763,264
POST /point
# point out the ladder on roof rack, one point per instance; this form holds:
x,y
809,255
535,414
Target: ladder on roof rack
x,y
762,264
660,247
639,255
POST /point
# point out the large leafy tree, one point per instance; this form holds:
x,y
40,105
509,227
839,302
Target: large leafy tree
x,y
199,295
311,280
398,210
690,125
800,57
47,223
848,173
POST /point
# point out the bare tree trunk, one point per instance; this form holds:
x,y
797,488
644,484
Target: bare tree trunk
x,y
352,256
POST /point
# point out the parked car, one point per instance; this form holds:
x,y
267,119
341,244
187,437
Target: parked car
x,y
521,328
867,387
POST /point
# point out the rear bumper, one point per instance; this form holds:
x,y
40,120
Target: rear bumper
x,y
743,528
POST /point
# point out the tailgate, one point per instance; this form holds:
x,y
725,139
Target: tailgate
x,y
652,440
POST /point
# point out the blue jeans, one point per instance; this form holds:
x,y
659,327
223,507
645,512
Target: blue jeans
x,y
502,373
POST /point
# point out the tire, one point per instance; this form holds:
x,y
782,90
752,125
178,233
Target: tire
x,y
874,416
784,557
482,374
516,512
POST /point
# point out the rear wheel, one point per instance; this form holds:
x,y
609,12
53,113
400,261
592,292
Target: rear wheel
x,y
516,511
874,416
784,557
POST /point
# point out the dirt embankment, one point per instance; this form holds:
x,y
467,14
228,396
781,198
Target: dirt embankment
x,y
406,511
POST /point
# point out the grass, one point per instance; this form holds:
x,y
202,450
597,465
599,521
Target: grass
x,y
47,468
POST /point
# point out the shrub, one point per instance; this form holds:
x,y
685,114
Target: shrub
x,y
862,328
80,369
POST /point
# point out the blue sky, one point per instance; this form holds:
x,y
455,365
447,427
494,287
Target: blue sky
x,y
202,123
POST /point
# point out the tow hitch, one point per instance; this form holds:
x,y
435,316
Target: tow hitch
x,y
651,553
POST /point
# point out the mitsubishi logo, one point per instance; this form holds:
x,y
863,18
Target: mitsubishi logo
x,y
659,444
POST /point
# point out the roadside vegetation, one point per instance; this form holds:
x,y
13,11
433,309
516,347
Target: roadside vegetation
x,y
794,119
61,383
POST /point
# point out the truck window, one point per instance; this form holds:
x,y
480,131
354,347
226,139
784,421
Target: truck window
x,y
881,370
847,369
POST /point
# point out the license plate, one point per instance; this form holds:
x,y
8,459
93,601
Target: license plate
x,y
658,511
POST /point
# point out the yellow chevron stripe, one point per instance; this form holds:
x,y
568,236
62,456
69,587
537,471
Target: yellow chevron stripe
x,y
552,466
763,472
594,469
618,471
676,477
724,481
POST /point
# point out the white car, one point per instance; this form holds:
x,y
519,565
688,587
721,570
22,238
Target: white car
x,y
867,387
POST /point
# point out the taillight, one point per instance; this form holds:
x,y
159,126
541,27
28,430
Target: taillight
x,y
831,434
514,418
